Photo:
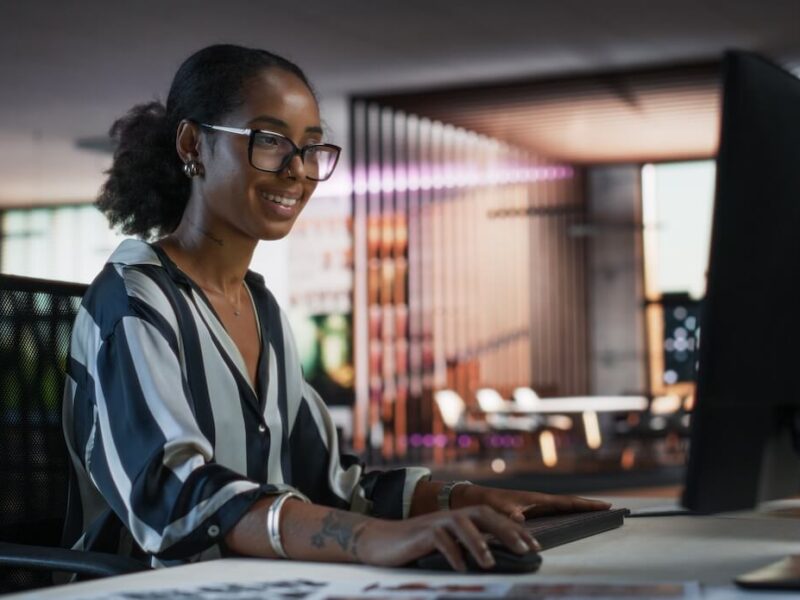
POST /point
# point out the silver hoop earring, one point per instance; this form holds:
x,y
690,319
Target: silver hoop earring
x,y
192,168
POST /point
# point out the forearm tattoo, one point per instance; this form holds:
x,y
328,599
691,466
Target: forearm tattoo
x,y
341,528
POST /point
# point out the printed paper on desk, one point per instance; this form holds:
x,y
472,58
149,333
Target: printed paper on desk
x,y
472,588
302,589
604,591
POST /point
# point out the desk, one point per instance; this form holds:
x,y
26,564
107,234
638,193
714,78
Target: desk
x,y
579,404
710,550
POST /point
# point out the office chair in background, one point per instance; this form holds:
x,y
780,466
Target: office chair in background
x,y
36,318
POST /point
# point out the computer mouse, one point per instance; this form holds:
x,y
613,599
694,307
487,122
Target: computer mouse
x,y
505,561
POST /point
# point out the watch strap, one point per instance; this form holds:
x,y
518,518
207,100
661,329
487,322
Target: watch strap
x,y
443,496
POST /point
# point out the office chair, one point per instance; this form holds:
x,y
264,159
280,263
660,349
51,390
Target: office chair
x,y
488,430
503,414
522,416
35,322
453,411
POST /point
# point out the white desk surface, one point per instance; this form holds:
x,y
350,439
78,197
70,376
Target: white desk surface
x,y
708,550
575,404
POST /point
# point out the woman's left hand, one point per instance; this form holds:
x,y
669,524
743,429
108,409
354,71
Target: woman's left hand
x,y
520,505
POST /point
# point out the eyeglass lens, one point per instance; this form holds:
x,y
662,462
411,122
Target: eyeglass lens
x,y
270,151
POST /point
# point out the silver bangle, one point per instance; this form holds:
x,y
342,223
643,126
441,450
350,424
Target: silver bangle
x,y
443,497
274,522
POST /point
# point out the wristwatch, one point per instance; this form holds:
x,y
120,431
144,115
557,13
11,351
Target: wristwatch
x,y
443,497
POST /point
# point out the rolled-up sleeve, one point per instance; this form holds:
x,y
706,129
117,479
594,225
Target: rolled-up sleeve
x,y
147,454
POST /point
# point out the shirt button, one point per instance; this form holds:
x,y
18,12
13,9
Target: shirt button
x,y
261,428
213,531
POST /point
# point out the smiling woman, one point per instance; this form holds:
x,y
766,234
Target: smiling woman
x,y
192,431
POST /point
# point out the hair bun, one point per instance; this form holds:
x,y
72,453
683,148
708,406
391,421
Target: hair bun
x,y
145,192
141,120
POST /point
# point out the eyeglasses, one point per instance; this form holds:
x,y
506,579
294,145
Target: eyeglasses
x,y
272,152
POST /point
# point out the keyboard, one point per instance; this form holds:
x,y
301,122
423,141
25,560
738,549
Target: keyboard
x,y
554,530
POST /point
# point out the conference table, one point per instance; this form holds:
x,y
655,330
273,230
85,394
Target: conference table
x,y
676,556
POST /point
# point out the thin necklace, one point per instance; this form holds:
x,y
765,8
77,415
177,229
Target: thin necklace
x,y
238,307
237,310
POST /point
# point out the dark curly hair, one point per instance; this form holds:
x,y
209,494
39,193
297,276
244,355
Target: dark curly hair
x,y
146,191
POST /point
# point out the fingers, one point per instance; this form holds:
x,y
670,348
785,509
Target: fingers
x,y
473,540
514,511
548,504
593,504
519,505
517,514
448,547
511,533
577,504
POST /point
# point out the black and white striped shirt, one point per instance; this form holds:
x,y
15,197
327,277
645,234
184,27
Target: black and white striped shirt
x,y
170,442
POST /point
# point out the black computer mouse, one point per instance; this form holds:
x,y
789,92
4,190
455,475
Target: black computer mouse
x,y
505,561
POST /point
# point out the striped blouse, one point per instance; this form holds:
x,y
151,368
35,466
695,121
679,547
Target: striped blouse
x,y
170,443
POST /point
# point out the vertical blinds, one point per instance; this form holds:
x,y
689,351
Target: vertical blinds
x,y
465,275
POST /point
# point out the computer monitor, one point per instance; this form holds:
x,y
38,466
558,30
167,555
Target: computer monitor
x,y
746,422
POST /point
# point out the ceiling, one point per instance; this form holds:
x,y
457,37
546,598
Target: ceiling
x,y
620,117
68,69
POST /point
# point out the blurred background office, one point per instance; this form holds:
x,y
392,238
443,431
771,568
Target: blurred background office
x,y
503,278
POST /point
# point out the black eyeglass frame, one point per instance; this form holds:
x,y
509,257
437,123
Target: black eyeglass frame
x,y
296,151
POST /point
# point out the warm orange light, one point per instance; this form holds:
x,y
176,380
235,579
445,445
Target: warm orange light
x,y
592,428
627,459
547,444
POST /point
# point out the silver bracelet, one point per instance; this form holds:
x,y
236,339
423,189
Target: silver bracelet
x,y
443,497
274,522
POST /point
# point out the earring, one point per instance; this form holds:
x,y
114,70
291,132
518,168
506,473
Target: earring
x,y
193,168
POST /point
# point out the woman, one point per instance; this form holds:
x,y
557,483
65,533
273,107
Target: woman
x,y
191,429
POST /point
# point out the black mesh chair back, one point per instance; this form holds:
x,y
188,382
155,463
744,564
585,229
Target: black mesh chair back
x,y
36,318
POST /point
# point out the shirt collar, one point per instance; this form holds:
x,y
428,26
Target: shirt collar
x,y
137,252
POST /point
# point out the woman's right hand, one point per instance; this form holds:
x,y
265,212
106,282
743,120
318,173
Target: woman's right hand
x,y
394,543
